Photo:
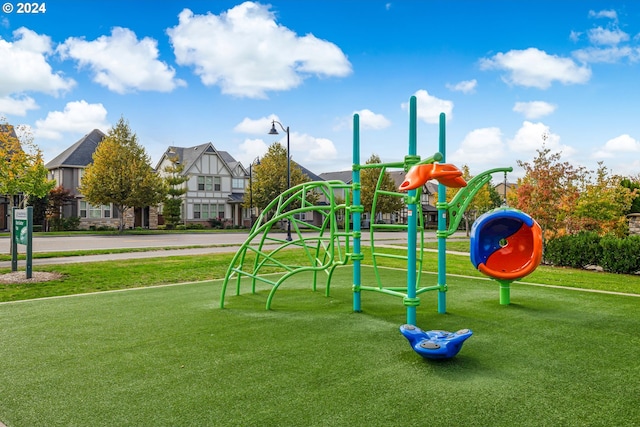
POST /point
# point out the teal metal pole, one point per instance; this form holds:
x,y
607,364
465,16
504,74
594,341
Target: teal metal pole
x,y
14,242
442,226
411,301
29,242
356,212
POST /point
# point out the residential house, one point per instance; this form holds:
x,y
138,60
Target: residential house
x,y
215,188
427,197
67,170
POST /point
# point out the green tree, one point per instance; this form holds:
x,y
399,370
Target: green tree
x,y
121,173
633,184
270,177
174,181
369,180
602,205
22,168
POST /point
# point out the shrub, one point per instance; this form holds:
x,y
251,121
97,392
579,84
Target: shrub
x,y
577,250
621,255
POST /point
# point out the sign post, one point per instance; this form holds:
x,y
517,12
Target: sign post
x,y
22,234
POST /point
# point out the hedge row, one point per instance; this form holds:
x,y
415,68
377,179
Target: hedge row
x,y
613,254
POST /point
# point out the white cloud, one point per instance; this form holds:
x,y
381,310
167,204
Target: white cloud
x,y
603,36
610,14
480,146
429,107
259,126
534,109
121,62
535,68
24,66
608,55
17,106
77,117
371,120
250,149
533,136
466,86
247,53
619,145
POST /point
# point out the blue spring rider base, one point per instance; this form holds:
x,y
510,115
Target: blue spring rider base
x,y
435,344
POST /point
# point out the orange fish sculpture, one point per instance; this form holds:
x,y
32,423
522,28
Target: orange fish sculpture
x,y
445,173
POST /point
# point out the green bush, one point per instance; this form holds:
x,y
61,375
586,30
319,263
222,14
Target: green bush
x,y
577,250
613,254
621,255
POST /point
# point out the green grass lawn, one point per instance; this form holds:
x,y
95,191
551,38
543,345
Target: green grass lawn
x,y
169,356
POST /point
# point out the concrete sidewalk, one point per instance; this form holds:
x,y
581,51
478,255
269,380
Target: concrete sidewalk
x,y
204,244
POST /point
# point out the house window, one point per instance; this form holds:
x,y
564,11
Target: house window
x,y
220,211
238,183
94,212
196,210
217,183
208,183
201,183
204,214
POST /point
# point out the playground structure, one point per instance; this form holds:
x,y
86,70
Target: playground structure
x,y
506,245
333,243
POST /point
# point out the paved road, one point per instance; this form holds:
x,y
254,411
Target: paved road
x,y
202,243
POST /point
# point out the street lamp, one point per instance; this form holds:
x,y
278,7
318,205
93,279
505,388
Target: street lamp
x,y
274,131
255,161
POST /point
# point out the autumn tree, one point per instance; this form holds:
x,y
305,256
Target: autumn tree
x,y
22,170
369,180
269,178
548,191
602,205
121,173
633,184
58,197
174,182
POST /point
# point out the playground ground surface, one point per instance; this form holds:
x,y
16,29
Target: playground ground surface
x,y
169,355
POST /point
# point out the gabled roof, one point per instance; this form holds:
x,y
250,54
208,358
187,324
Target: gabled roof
x,y
312,176
344,176
189,155
79,154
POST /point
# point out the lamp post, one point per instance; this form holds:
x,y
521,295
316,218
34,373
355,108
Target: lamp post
x,y
255,161
274,131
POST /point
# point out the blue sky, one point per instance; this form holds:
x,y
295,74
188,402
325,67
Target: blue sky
x,y
509,75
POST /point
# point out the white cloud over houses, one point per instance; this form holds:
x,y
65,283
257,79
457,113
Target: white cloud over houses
x,y
24,68
534,109
429,107
77,117
259,126
266,56
17,105
535,68
121,62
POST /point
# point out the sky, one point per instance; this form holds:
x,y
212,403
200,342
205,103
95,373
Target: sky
x,y
512,77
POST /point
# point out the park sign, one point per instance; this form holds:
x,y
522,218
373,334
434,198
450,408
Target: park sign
x,y
22,234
